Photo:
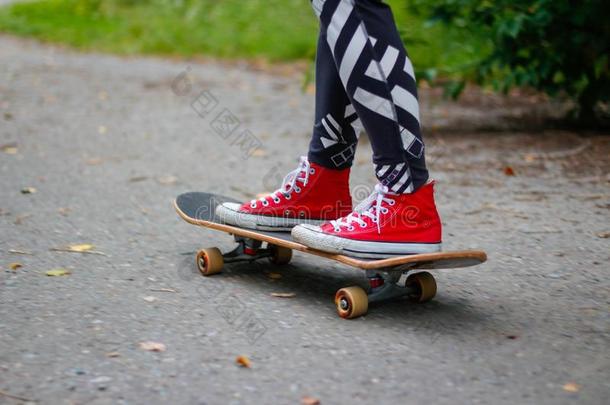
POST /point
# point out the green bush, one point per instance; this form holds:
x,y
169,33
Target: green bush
x,y
560,47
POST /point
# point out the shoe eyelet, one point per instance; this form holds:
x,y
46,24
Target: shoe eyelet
x,y
362,225
297,189
312,171
301,214
253,205
287,213
337,229
351,228
265,203
384,210
374,220
287,196
276,200
392,202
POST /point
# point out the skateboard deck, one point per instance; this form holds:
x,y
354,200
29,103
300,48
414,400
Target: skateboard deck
x,y
384,275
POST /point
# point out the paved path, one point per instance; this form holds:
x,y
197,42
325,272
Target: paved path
x,y
107,143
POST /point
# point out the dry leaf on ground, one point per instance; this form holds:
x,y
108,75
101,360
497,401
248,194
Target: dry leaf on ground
x,y
509,171
78,248
83,247
15,266
153,346
571,387
19,252
113,354
310,401
28,190
9,149
149,298
283,295
274,276
58,272
243,361
603,235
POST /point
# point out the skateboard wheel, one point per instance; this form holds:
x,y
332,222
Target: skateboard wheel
x,y
280,254
423,286
209,261
351,302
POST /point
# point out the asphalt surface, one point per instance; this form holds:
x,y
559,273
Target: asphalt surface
x,y
106,143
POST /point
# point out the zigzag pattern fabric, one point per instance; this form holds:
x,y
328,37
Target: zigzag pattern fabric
x,y
365,80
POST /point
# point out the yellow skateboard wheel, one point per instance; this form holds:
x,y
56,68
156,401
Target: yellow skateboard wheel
x,y
209,261
351,302
280,254
424,285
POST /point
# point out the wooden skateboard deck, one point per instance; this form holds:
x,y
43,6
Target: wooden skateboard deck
x,y
199,209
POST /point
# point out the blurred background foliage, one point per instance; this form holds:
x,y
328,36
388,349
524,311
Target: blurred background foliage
x,y
560,47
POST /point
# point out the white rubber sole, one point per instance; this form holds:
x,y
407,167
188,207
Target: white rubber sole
x,y
313,237
229,214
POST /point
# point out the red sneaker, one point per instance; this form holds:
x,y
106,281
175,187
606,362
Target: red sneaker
x,y
384,225
311,194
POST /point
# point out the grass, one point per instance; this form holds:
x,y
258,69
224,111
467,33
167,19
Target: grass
x,y
277,30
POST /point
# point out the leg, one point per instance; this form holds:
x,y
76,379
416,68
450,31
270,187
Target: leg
x,y
377,77
400,216
337,127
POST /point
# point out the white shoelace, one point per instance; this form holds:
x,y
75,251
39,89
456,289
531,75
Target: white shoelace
x,y
371,208
289,184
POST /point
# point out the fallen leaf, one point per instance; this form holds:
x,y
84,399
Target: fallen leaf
x,y
310,401
58,272
571,387
603,235
275,276
167,180
153,346
149,298
84,247
529,157
15,266
243,361
283,295
259,153
509,171
78,248
19,252
113,354
28,190
102,130
137,179
64,210
10,149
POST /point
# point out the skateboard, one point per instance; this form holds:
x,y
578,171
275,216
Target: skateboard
x,y
390,278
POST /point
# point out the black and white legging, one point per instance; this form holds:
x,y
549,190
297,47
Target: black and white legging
x,y
365,80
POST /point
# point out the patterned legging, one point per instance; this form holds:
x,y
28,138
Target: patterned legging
x,y
365,80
